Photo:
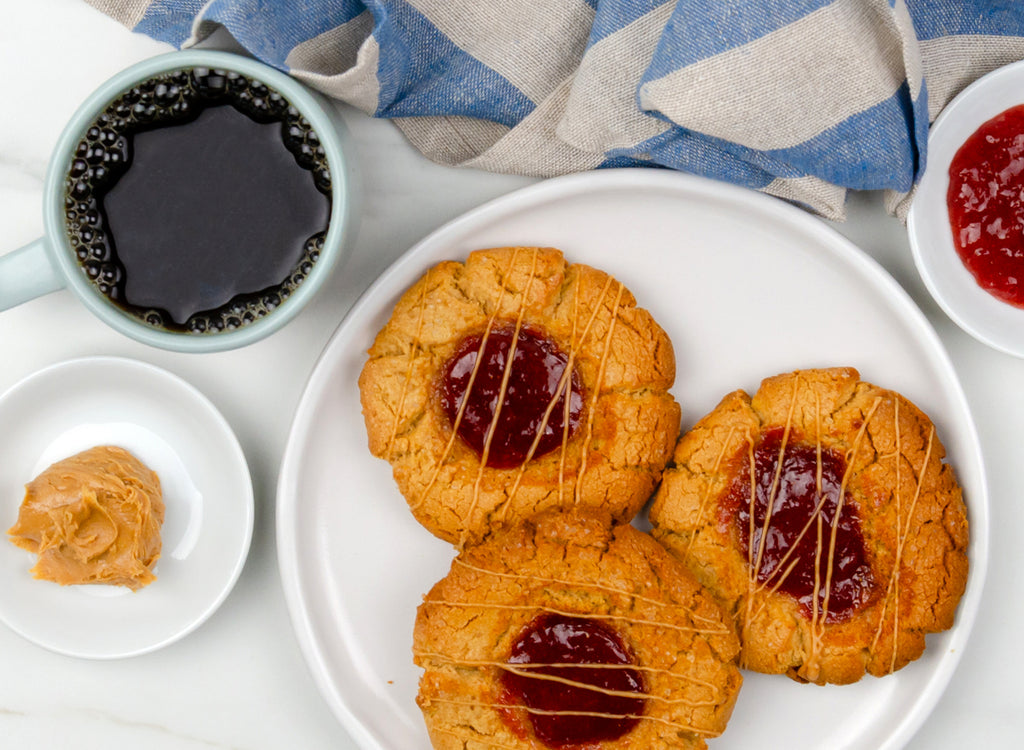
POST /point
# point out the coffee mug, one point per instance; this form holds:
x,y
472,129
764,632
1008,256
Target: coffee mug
x,y
60,259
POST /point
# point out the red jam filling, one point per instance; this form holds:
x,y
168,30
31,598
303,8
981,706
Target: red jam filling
x,y
565,714
795,540
533,381
986,205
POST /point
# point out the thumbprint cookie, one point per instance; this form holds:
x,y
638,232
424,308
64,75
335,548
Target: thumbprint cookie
x,y
517,382
822,515
570,631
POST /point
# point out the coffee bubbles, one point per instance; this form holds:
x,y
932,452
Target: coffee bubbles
x,y
198,200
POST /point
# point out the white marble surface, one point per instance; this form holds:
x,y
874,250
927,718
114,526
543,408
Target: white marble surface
x,y
239,681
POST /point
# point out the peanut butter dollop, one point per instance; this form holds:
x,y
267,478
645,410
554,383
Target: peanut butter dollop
x,y
94,517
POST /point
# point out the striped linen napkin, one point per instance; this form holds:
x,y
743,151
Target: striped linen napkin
x,y
802,99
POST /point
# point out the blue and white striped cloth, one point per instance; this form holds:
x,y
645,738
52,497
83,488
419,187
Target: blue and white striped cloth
x,y
802,99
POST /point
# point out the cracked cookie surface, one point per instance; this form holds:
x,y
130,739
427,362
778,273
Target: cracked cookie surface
x,y
621,364
822,515
578,567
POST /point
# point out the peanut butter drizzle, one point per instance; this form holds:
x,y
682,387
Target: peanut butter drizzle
x,y
462,407
818,624
593,714
902,533
751,573
818,616
584,584
563,454
568,613
564,388
505,375
605,353
522,669
817,630
564,385
530,670
851,458
814,518
752,584
772,493
894,576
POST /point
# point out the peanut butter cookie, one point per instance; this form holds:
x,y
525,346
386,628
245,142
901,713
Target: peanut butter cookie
x,y
570,631
581,417
823,517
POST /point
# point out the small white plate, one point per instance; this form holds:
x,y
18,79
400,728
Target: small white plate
x,y
746,287
207,489
984,317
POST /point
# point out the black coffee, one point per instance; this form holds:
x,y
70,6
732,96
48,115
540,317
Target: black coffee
x,y
198,200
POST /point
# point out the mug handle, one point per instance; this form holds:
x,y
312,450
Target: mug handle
x,y
27,273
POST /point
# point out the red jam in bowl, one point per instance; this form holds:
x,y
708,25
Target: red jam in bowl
x,y
585,704
986,205
525,398
794,539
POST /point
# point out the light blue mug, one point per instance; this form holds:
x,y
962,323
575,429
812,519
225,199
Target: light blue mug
x,y
50,263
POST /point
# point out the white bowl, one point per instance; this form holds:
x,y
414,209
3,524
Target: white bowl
x,y
995,323
169,425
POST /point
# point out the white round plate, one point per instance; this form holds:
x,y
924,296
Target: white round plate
x,y
980,314
747,287
171,427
